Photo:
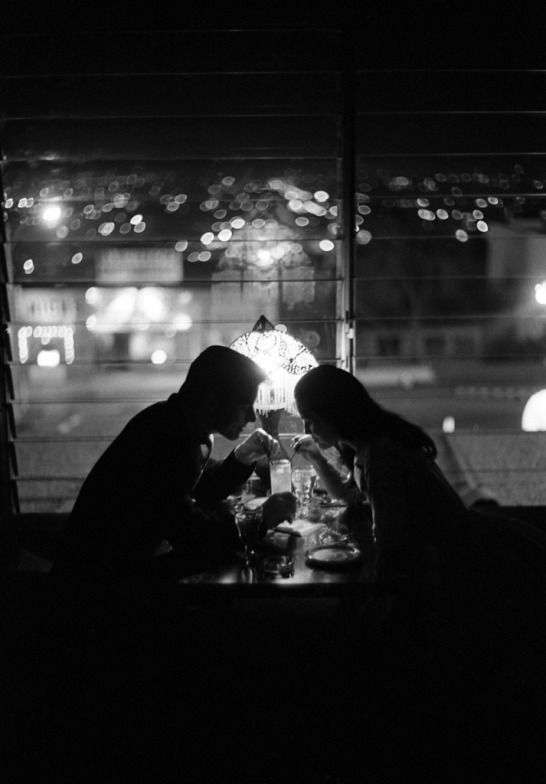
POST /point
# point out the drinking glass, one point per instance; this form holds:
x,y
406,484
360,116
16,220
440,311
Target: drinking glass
x,y
303,480
281,476
249,523
243,494
336,530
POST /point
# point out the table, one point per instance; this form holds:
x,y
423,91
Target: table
x,y
236,579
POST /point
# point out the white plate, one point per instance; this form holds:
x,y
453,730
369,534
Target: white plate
x,y
333,556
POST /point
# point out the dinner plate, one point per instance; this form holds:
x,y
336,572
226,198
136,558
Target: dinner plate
x,y
333,556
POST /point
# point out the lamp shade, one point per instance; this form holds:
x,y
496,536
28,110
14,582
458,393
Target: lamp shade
x,y
282,357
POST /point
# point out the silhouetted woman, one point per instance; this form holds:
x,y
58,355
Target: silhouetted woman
x,y
416,512
466,620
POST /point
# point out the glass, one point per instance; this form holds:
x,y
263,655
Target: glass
x,y
303,480
281,476
244,494
249,523
335,531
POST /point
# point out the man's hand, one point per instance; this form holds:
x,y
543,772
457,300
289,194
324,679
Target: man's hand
x,y
278,508
259,444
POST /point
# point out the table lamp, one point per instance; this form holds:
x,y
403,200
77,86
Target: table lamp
x,y
285,360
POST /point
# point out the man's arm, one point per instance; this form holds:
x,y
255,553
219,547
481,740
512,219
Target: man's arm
x,y
203,536
220,478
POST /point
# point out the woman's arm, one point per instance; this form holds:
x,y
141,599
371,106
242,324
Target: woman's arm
x,y
335,477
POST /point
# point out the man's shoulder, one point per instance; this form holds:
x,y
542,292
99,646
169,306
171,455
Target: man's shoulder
x,y
164,409
162,418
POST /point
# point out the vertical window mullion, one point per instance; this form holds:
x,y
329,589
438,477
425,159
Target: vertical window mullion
x,y
9,502
348,147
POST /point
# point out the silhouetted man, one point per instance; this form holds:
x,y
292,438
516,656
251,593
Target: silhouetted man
x,y
155,486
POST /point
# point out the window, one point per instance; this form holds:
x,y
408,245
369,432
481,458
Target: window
x,y
151,214
392,217
450,249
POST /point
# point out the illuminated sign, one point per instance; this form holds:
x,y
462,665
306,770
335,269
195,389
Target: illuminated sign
x,y
45,306
152,265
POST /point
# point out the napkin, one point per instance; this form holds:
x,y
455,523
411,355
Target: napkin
x,y
298,528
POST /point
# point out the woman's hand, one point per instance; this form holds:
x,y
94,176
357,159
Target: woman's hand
x,y
278,508
307,448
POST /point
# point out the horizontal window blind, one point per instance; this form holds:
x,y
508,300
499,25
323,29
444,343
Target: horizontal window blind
x,y
378,191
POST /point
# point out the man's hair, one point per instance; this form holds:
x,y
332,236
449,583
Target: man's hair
x,y
222,372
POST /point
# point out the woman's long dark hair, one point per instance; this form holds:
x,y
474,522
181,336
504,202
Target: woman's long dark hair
x,y
340,399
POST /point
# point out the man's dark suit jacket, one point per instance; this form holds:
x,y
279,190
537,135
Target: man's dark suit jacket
x,y
154,483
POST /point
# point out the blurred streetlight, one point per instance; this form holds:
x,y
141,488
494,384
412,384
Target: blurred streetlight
x,y
52,214
540,293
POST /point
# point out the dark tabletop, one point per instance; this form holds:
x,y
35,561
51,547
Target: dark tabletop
x,y
333,579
